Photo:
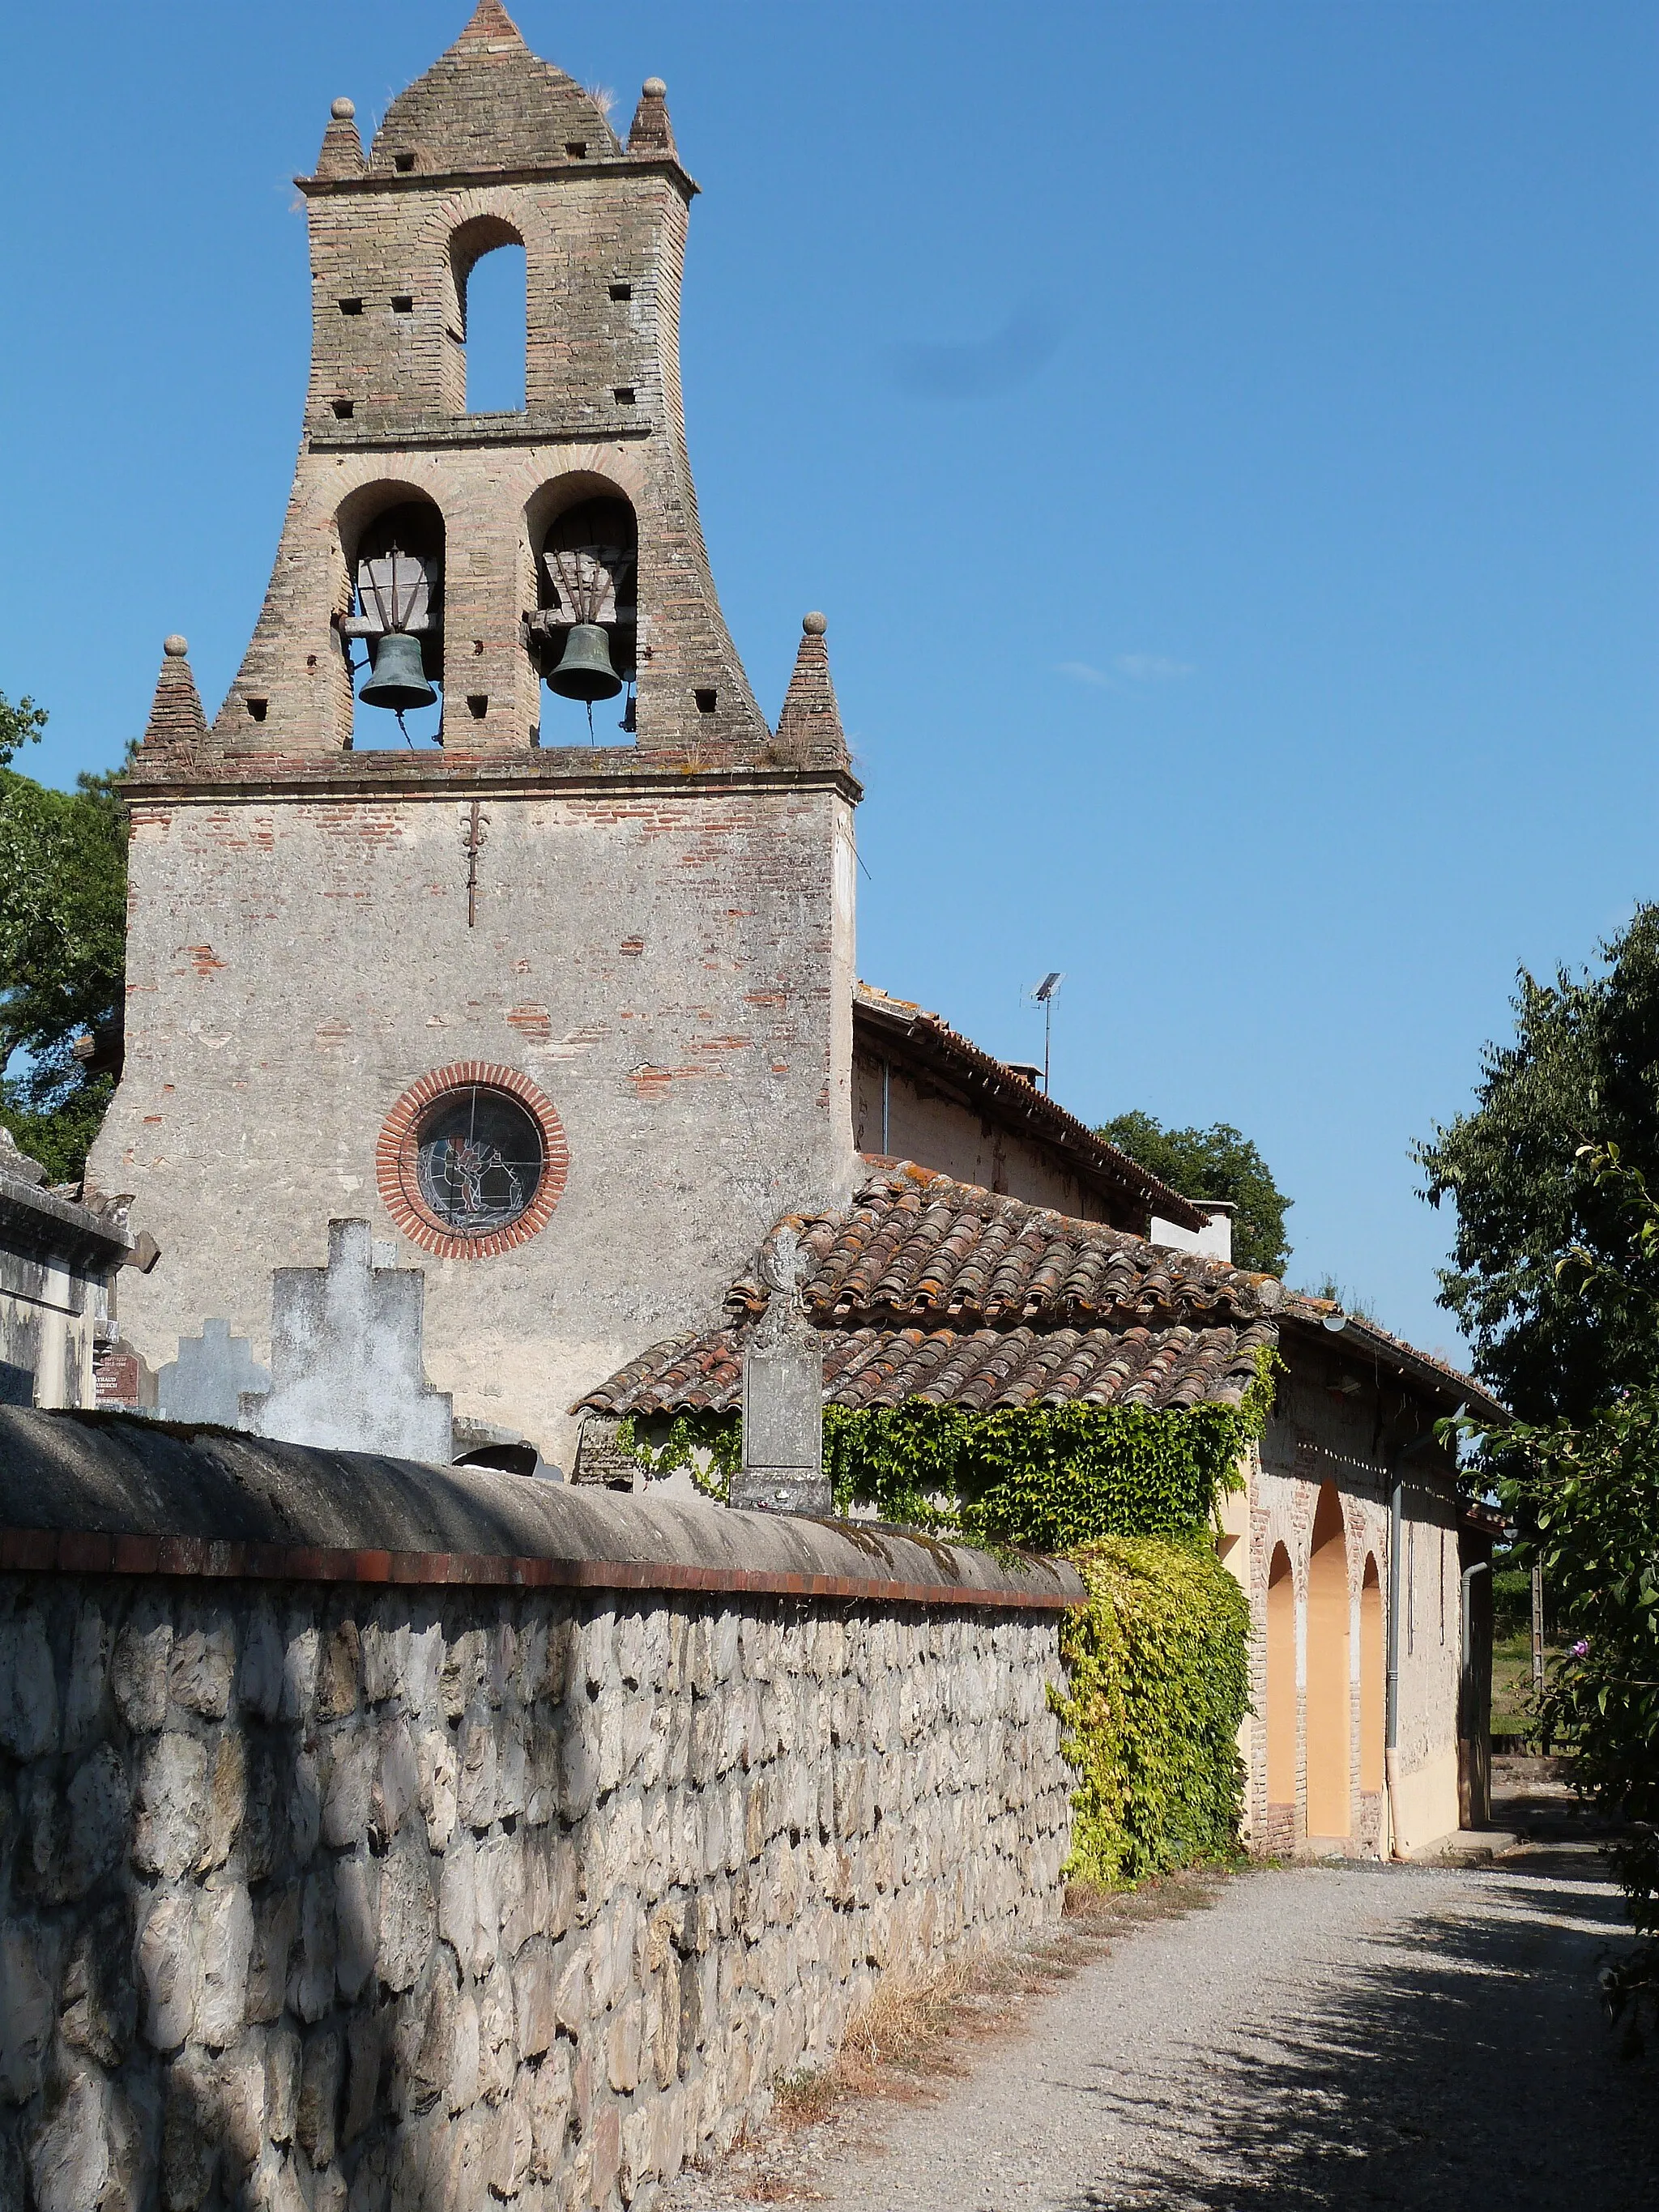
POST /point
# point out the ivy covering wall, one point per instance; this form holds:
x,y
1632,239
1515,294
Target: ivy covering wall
x,y
1157,1660
1157,1684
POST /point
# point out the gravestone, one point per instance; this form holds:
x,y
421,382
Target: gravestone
x,y
782,1469
208,1382
345,1357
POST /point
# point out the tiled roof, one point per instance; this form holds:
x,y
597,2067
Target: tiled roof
x,y
932,1289
999,1092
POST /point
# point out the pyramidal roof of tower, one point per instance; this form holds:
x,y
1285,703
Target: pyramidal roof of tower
x,y
489,103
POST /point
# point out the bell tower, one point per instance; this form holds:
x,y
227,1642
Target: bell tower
x,y
493,147
570,1020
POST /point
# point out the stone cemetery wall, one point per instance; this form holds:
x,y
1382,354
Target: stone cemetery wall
x,y
346,1864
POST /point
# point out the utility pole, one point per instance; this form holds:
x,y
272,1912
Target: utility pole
x,y
1538,1631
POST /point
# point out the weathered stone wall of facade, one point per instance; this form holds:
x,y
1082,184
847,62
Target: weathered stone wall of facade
x,y
320,1891
672,969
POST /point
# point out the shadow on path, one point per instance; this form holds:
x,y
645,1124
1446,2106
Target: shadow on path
x,y
1464,2065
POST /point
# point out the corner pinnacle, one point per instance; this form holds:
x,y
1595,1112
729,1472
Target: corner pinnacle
x,y
176,723
651,131
342,154
809,723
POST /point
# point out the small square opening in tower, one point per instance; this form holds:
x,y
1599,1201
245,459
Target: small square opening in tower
x,y
345,409
577,149
402,303
624,395
257,709
402,163
706,699
621,291
478,704
351,307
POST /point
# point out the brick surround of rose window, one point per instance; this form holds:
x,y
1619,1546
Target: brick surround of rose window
x,y
395,1171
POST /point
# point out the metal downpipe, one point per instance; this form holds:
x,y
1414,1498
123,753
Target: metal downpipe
x,y
1391,1727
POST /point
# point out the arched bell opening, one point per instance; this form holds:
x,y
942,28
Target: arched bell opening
x,y
584,631
486,339
1281,1702
1330,1706
392,537
1373,1720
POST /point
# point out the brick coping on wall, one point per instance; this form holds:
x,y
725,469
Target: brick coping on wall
x,y
83,1493
47,1551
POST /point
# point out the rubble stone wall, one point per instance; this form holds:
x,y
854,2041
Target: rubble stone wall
x,y
326,1896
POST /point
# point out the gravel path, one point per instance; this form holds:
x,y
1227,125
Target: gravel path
x,y
1334,2036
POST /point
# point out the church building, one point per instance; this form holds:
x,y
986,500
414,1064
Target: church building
x,y
570,1022
491,912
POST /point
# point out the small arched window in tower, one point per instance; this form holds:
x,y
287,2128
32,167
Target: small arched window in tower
x,y
488,271
586,632
398,573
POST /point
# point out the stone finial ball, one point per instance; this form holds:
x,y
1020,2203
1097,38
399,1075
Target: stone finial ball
x,y
175,647
814,625
343,110
654,88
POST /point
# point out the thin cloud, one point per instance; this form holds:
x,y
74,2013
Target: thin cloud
x,y
1080,672
970,369
1151,667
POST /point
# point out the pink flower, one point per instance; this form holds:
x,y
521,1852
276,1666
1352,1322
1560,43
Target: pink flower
x,y
1581,1649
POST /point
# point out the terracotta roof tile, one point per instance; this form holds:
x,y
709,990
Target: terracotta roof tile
x,y
932,1289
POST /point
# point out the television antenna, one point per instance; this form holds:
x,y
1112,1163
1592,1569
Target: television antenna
x,y
1042,994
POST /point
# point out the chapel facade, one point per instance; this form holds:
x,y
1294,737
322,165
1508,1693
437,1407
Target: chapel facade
x,y
566,1020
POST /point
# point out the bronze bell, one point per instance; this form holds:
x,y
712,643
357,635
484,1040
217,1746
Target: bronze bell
x,y
397,679
584,670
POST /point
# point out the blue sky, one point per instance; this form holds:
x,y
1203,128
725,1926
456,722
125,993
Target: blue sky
x,y
1222,437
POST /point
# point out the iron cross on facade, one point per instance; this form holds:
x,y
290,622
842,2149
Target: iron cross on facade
x,y
474,830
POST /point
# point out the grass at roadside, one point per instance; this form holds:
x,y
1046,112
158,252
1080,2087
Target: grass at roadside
x,y
1511,1683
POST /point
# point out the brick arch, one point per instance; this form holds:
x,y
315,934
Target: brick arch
x,y
1281,1607
1329,1704
459,230
394,1161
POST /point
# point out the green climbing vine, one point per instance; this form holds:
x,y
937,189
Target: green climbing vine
x,y
710,1445
1156,1660
1157,1685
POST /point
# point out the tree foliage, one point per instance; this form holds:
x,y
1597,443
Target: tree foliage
x,y
62,941
1584,1064
1584,1496
19,726
1219,1161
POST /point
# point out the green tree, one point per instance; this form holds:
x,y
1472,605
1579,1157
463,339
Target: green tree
x,y
1583,1063
1584,1496
62,940
1219,1161
19,726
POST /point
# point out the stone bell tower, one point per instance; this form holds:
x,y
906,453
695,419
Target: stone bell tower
x,y
570,1022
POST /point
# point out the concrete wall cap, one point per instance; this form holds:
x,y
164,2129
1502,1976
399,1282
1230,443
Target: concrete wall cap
x,y
103,1474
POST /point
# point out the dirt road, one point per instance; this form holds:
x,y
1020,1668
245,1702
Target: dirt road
x,y
1331,2035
